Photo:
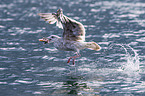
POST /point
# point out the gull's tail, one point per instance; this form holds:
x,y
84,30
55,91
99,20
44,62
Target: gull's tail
x,y
52,18
93,46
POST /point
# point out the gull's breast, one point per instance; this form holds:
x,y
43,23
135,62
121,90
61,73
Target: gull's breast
x,y
65,45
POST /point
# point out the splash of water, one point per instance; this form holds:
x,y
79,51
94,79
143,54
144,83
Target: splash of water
x,y
131,57
133,62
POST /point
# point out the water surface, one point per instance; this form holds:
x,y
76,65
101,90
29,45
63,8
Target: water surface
x,y
30,68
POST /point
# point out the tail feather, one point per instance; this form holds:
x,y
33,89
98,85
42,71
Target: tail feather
x,y
93,46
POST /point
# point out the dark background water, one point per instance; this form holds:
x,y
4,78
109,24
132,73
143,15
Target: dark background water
x,y
30,68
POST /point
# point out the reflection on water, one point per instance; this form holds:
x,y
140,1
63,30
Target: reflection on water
x,y
27,67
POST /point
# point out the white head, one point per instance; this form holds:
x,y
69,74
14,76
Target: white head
x,y
50,39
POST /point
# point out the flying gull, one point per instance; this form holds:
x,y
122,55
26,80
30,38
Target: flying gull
x,y
73,37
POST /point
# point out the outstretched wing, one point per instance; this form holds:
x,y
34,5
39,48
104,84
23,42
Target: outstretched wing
x,y
73,30
51,18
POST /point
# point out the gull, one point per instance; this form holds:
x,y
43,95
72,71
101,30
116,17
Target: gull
x,y
73,37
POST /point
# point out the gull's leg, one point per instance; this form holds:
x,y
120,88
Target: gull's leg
x,y
74,61
73,57
69,60
78,55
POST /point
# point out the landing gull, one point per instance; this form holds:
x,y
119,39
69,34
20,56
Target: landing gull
x,y
73,37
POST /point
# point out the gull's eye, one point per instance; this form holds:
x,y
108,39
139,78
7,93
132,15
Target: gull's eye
x,y
44,38
52,37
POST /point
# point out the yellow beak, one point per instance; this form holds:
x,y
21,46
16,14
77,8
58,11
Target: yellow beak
x,y
41,40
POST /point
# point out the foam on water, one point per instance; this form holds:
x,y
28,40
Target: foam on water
x,y
132,60
131,57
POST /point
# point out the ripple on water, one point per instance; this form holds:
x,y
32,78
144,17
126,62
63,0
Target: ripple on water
x,y
51,84
1,69
142,39
25,81
7,19
18,30
48,58
91,75
51,49
13,49
1,83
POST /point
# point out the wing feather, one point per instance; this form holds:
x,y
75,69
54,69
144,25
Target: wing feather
x,y
73,30
51,19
